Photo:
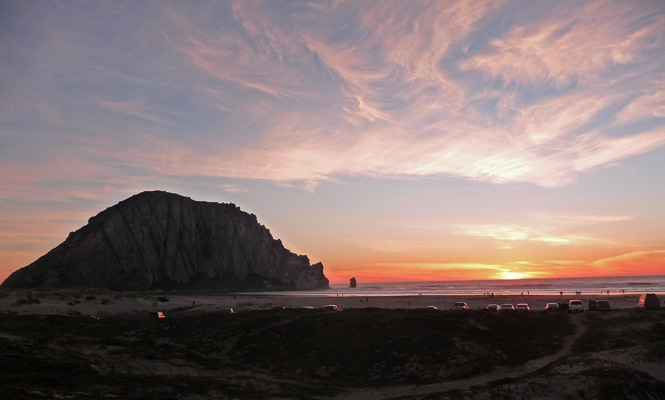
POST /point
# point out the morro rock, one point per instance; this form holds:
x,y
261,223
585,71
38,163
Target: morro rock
x,y
159,240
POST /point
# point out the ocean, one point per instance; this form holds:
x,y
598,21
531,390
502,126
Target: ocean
x,y
569,286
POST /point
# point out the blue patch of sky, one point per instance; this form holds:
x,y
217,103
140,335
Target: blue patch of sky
x,y
601,121
641,126
539,93
34,141
650,18
631,185
312,72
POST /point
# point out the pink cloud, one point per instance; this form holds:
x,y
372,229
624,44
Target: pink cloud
x,y
648,104
356,132
232,58
359,81
354,129
417,35
571,45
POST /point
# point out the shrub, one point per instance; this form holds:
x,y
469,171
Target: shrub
x,y
24,302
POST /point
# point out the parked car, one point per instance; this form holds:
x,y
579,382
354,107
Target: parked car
x,y
330,307
552,307
649,301
575,306
492,307
460,305
156,315
227,311
603,305
507,307
522,307
431,308
599,305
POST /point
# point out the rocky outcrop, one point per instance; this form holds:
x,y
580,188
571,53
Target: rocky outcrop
x,y
160,240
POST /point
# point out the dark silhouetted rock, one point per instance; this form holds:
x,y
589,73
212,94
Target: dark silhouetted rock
x,y
352,282
159,240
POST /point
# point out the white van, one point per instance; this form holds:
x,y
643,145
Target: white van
x,y
575,306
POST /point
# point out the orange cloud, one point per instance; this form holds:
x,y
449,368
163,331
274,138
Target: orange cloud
x,y
643,262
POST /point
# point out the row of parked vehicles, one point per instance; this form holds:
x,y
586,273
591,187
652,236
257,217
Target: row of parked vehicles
x,y
569,305
647,301
508,307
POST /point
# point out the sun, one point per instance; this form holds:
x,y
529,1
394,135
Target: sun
x,y
512,275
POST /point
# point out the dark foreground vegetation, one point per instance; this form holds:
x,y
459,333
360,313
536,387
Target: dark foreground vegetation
x,y
284,353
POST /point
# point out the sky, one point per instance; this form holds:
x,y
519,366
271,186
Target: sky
x,y
390,140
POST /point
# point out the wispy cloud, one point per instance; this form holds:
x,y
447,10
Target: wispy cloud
x,y
400,62
637,262
504,234
418,36
138,109
648,104
574,44
568,219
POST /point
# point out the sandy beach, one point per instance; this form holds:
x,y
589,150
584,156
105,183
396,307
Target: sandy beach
x,y
102,302
372,351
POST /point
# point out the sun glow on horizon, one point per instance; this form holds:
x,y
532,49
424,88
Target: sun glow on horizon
x,y
513,275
